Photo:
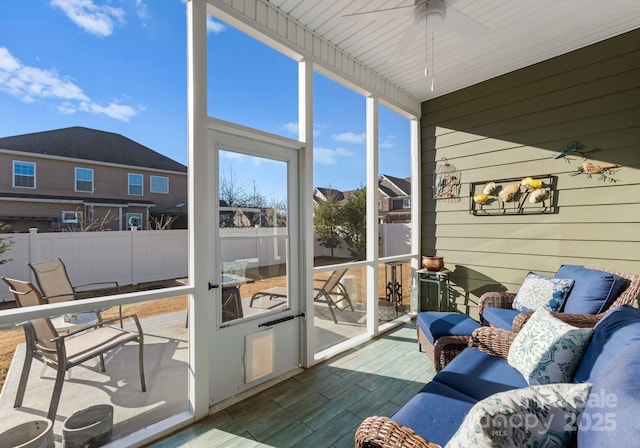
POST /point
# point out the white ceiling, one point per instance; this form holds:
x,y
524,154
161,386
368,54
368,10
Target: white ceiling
x,y
520,33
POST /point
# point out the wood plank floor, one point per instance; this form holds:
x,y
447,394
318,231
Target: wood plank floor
x,y
322,406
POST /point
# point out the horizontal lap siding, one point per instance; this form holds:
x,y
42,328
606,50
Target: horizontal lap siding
x,y
510,127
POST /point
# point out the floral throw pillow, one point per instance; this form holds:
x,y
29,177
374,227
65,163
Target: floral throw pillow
x,y
537,416
547,350
538,291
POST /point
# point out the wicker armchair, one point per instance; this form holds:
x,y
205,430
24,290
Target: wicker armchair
x,y
505,300
382,432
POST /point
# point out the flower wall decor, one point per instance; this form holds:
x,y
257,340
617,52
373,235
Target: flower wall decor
x,y
514,196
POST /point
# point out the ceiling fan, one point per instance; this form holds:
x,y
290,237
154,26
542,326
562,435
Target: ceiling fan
x,y
428,17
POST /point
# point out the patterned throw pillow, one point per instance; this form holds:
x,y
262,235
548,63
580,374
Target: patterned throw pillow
x,y
537,416
548,350
538,291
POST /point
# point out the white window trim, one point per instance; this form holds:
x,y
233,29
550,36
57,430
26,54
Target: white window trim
x,y
151,190
75,180
129,184
13,177
76,220
406,203
133,215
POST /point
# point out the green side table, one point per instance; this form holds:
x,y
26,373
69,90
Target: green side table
x,y
441,280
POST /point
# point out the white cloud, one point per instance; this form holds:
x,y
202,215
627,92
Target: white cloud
x,y
31,84
142,9
292,128
328,156
341,152
214,26
95,19
387,143
324,156
350,137
122,112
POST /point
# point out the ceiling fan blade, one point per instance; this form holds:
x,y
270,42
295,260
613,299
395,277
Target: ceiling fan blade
x,y
380,14
408,37
464,24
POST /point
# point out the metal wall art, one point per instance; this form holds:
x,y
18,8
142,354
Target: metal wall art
x,y
446,181
515,196
604,170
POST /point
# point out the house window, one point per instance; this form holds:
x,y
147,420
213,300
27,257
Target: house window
x,y
159,184
135,184
24,174
379,205
84,179
134,220
71,221
406,203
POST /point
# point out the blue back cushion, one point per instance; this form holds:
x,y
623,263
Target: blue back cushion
x,y
593,290
616,331
611,416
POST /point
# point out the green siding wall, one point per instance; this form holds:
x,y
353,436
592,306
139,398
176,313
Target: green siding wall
x,y
511,126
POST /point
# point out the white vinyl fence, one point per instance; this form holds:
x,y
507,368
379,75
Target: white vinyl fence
x,y
151,255
126,257
395,239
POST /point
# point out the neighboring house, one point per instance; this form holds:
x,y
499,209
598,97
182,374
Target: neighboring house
x,y
323,194
76,179
394,198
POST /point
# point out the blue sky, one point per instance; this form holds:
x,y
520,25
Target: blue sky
x,y
120,66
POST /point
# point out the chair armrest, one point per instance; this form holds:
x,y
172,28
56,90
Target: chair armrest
x,y
115,285
500,299
494,341
382,432
101,323
577,320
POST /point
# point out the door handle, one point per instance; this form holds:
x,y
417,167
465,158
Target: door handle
x,y
213,286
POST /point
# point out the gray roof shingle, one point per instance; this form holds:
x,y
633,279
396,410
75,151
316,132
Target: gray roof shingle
x,y
90,144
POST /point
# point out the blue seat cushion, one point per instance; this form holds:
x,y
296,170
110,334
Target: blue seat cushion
x,y
500,317
618,329
435,412
477,374
436,324
593,290
611,416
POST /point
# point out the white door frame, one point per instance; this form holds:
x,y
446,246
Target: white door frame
x,y
228,350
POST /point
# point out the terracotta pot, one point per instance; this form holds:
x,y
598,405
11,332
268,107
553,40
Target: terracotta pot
x,y
433,263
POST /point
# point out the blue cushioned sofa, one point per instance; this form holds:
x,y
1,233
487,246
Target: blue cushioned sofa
x,y
595,292
611,362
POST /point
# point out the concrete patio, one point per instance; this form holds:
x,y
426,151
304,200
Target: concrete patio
x,y
166,367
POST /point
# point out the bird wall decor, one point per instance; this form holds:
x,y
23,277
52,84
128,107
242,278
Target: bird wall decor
x,y
571,147
574,146
604,170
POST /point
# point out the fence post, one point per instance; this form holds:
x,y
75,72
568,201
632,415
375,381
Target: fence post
x,y
132,246
33,247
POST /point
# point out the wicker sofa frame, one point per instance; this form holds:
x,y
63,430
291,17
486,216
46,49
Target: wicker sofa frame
x,y
382,432
505,300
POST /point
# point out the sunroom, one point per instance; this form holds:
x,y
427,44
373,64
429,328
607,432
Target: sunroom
x,y
487,92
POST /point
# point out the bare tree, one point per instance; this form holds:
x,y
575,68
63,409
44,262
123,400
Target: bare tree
x,y
231,191
5,242
162,222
